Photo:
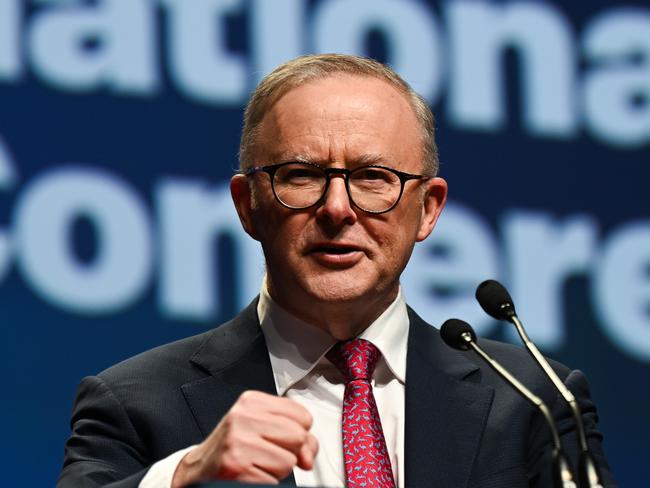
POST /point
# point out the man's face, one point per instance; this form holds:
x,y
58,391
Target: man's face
x,y
334,253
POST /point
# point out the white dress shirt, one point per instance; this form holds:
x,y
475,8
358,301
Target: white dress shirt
x,y
303,373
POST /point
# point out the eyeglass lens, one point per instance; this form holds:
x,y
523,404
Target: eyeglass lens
x,y
300,185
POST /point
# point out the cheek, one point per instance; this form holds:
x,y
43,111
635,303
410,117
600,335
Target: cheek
x,y
268,227
398,229
395,239
283,234
386,242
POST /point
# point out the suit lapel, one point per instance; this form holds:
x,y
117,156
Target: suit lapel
x,y
446,411
236,358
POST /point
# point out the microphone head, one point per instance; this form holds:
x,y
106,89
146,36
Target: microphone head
x,y
457,334
495,300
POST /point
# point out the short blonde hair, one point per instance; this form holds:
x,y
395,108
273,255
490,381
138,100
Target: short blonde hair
x,y
318,66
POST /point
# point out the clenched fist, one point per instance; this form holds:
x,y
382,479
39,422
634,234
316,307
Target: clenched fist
x,y
259,440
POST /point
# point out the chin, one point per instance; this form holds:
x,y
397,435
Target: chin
x,y
337,289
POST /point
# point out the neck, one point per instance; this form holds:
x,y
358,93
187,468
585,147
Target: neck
x,y
340,319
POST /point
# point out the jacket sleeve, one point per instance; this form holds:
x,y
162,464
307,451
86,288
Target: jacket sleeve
x,y
104,448
541,443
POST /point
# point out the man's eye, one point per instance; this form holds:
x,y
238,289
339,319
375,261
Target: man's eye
x,y
298,175
373,174
301,173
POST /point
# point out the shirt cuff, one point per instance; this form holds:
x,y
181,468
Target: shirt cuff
x,y
160,474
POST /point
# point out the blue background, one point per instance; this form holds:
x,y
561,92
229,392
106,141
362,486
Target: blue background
x,y
168,134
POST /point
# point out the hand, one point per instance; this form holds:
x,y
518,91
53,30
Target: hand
x,y
259,440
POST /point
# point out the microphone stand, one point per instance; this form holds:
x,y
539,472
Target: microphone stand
x,y
562,475
588,473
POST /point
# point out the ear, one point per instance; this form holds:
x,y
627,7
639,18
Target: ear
x,y
241,193
434,200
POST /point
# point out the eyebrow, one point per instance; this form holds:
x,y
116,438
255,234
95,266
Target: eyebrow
x,y
363,160
286,156
367,159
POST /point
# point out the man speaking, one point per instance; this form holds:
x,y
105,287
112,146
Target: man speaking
x,y
328,378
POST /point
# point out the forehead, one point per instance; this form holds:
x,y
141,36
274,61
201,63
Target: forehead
x,y
339,120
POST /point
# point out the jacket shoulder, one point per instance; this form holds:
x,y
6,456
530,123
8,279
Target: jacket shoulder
x,y
181,361
515,358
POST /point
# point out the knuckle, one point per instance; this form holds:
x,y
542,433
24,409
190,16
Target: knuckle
x,y
285,469
303,438
232,445
248,397
285,464
308,418
295,437
313,443
291,461
235,416
239,416
232,462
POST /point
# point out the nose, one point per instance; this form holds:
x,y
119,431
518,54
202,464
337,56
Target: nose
x,y
336,206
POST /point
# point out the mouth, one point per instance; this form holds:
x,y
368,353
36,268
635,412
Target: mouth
x,y
334,250
336,255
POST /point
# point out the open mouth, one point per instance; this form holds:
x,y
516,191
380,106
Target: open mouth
x,y
335,250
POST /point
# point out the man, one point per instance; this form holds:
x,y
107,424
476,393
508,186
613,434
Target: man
x,y
338,182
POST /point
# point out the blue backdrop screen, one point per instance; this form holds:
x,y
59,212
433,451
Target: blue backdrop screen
x,y
119,131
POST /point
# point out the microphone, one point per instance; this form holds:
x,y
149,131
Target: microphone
x,y
496,301
460,335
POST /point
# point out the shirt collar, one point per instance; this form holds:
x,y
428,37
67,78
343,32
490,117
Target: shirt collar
x,y
296,347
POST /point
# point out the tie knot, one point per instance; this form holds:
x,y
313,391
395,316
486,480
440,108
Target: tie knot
x,y
356,359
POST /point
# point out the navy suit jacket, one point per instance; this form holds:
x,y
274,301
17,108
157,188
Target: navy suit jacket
x,y
463,427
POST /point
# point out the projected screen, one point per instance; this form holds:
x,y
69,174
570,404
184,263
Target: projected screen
x,y
119,131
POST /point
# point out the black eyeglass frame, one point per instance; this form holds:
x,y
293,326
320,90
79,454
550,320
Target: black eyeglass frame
x,y
271,169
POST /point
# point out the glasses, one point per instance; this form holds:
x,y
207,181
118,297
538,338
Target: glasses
x,y
374,189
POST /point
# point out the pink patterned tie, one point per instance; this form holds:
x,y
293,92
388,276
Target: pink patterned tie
x,y
364,448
